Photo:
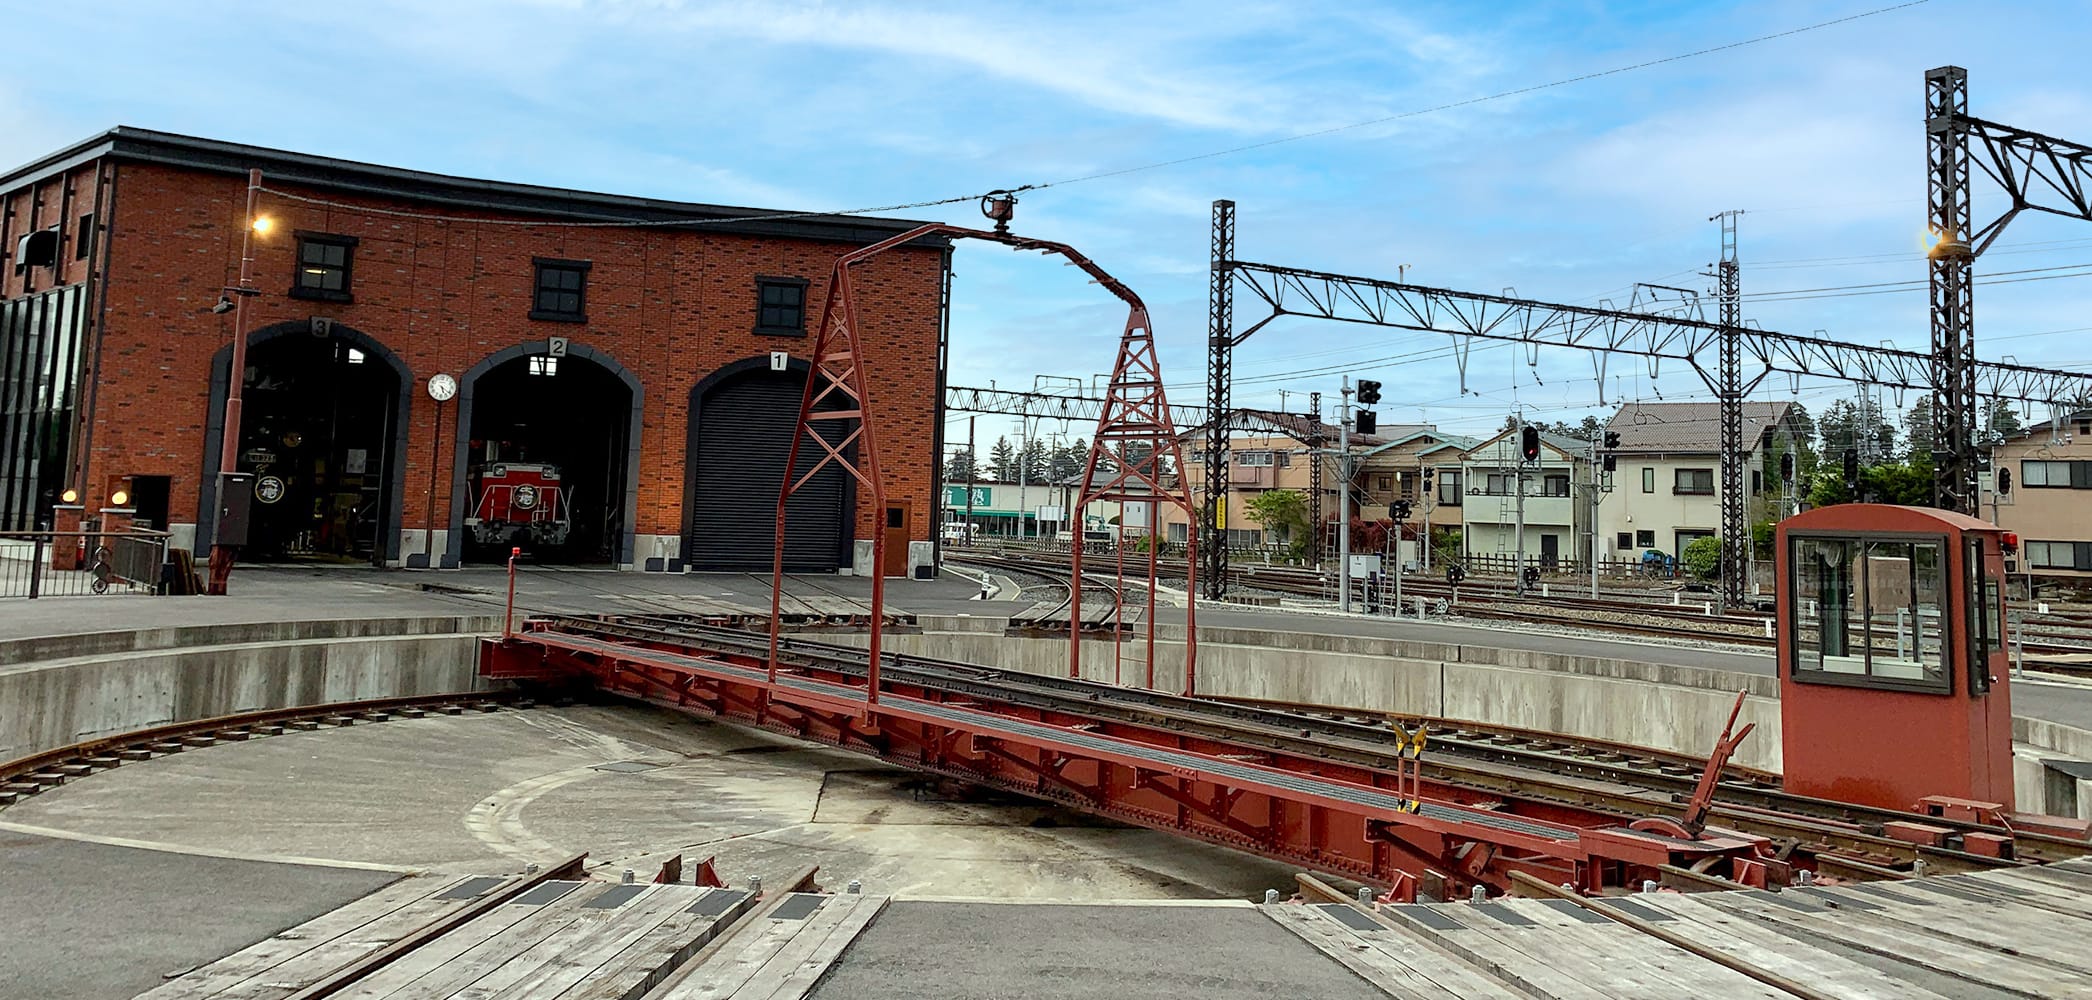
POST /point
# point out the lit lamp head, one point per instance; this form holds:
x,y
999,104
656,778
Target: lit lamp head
x,y
262,224
70,496
119,498
1946,246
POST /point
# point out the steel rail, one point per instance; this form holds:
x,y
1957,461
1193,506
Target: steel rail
x,y
100,748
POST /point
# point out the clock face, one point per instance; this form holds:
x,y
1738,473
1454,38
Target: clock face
x,y
442,387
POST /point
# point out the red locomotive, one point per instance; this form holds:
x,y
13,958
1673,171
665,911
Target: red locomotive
x,y
519,503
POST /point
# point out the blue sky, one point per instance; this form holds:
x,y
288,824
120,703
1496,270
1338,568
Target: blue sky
x,y
1571,193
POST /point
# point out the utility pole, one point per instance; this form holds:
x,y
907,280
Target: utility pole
x,y
1518,487
1023,478
1315,476
973,474
1591,519
1344,500
224,551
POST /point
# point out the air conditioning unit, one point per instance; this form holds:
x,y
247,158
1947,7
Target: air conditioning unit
x,y
37,249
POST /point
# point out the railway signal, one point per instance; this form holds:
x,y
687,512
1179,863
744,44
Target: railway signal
x,y
1852,471
1786,466
1368,392
1399,510
1612,442
1529,443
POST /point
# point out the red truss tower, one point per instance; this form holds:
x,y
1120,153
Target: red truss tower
x,y
1136,440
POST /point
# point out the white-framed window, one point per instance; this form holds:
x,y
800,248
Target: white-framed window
x,y
1693,482
2059,555
1648,480
1253,459
2052,474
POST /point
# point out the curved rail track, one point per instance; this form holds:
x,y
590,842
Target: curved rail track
x,y
26,776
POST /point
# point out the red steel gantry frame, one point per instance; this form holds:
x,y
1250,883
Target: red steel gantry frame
x,y
1157,766
1135,435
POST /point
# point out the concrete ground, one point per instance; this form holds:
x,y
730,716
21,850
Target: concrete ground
x,y
489,793
990,950
87,921
298,593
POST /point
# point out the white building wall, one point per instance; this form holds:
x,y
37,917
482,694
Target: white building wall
x,y
1488,521
1661,510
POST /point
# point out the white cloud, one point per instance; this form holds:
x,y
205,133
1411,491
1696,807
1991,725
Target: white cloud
x,y
1103,64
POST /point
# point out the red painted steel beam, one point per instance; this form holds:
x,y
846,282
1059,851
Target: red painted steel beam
x,y
1335,816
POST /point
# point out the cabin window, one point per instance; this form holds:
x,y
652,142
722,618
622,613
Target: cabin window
x,y
1870,611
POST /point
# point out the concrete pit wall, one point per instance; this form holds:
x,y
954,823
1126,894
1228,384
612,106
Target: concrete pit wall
x,y
64,689
2039,785
1643,704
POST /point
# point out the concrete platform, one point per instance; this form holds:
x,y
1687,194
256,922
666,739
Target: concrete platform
x,y
1083,952
91,921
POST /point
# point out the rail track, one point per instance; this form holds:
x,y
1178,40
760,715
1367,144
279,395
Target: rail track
x,y
1684,615
1485,763
26,776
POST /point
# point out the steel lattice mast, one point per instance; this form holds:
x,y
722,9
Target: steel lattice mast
x,y
2038,173
1953,295
1220,380
1729,391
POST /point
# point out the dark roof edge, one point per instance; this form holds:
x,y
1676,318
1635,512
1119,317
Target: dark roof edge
x,y
282,166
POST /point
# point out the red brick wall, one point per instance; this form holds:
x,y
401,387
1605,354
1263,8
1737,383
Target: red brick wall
x,y
671,307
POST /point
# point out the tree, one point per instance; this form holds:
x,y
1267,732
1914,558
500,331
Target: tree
x,y
1067,461
1031,461
961,468
1849,424
1905,483
1002,460
1917,429
1285,512
1703,557
2001,419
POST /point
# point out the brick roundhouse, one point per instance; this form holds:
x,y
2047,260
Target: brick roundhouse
x,y
638,360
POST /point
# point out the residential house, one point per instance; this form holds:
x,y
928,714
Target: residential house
x,y
1667,477
1491,475
1269,450
2047,496
1402,468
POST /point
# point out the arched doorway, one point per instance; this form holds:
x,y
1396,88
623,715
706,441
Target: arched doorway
x,y
741,422
547,457
322,428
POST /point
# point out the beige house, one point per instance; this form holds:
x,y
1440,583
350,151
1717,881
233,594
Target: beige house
x,y
2040,488
1422,467
1270,450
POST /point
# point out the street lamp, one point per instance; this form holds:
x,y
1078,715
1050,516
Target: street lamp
x,y
442,386
230,515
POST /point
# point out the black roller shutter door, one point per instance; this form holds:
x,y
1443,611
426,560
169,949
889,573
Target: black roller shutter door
x,y
744,432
